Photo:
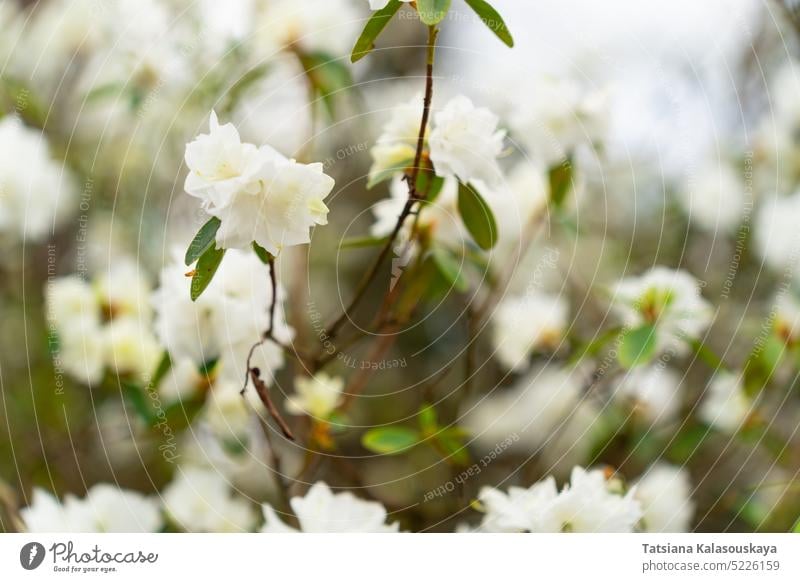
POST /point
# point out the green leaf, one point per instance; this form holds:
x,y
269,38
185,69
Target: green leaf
x,y
388,173
362,242
375,25
638,346
796,527
477,217
429,185
427,419
492,19
161,370
453,447
328,76
390,440
207,266
203,240
450,269
262,253
560,177
432,12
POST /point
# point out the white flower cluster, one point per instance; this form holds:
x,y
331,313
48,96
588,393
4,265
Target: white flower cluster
x,y
225,321
591,503
668,300
104,325
36,191
104,509
257,193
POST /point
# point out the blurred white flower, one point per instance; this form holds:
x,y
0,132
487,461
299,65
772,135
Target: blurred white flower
x,y
777,237
257,193
201,500
542,405
317,396
227,412
554,116
714,197
586,505
182,381
81,352
322,511
72,300
36,192
379,4
466,143
130,348
105,509
327,26
522,325
397,144
225,321
725,405
787,315
124,289
667,299
653,391
664,493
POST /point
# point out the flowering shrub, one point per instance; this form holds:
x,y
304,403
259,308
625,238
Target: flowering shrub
x,y
320,266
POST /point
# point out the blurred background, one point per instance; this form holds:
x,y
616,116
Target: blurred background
x,y
682,122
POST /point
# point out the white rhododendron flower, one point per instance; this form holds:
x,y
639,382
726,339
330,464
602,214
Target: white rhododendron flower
x,y
667,299
714,196
201,500
653,391
777,237
664,493
257,193
787,315
725,405
396,146
131,348
227,413
552,117
327,26
466,143
36,191
322,511
318,396
586,505
106,508
72,301
544,405
225,321
124,289
522,325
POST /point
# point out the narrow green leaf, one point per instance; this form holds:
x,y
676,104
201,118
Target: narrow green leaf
x,y
427,419
560,182
477,217
202,241
450,269
375,25
328,76
797,527
390,440
432,12
204,272
262,253
638,346
492,19
429,185
161,370
452,444
362,242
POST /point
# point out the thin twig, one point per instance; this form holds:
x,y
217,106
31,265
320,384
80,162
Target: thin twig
x,y
263,393
413,197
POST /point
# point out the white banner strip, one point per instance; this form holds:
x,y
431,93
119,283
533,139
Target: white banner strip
x,y
400,557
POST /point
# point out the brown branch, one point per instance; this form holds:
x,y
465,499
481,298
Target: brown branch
x,y
263,393
413,197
